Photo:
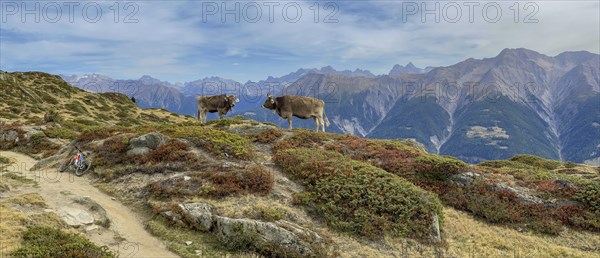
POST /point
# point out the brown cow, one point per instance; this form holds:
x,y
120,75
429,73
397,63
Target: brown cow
x,y
220,103
298,106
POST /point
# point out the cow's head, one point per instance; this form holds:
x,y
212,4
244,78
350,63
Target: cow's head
x,y
231,100
270,102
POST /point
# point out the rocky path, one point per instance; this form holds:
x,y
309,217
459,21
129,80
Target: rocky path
x,y
126,234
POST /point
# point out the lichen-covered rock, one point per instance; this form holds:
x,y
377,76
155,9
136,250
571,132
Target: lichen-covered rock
x,y
141,151
260,234
435,234
151,141
280,237
463,179
75,217
9,136
199,214
522,193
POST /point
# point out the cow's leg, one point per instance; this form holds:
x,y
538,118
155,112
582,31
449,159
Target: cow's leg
x,y
221,114
322,123
204,116
316,124
289,118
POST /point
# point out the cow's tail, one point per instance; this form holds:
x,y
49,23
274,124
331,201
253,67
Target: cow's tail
x,y
326,119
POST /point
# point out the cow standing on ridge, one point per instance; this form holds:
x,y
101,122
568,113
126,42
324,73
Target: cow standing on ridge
x,y
220,103
298,106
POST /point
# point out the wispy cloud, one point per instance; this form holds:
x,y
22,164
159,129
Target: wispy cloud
x,y
186,40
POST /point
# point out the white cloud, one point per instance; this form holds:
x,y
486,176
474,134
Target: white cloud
x,y
236,52
171,41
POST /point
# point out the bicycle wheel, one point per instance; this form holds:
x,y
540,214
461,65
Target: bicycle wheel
x,y
83,168
64,166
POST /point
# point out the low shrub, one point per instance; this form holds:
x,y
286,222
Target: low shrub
x,y
37,144
435,167
546,226
61,133
87,122
303,138
109,173
356,197
392,156
52,116
8,115
269,135
489,206
111,152
590,196
215,182
536,161
172,151
218,142
98,133
77,107
265,213
4,160
255,179
579,217
51,242
176,187
225,122
570,164
503,164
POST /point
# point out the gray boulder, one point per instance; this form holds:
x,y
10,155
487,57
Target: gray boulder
x,y
138,151
435,234
522,193
463,179
285,236
260,233
199,214
75,217
9,136
150,141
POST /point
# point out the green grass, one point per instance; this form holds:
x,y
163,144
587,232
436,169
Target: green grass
x,y
218,142
51,242
17,180
8,115
77,107
4,161
61,132
225,122
525,172
356,197
303,138
175,237
536,161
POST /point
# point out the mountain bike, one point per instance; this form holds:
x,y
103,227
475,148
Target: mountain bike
x,y
80,162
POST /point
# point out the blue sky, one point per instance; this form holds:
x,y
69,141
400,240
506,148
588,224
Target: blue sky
x,y
182,41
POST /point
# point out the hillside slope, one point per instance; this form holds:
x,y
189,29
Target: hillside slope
x,y
244,188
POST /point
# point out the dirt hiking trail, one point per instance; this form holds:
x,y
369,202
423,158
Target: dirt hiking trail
x,y
126,234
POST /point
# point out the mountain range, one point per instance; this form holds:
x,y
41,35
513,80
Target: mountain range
x,y
519,101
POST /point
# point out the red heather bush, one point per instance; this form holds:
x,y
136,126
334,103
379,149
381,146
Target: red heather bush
x,y
172,151
255,179
269,135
